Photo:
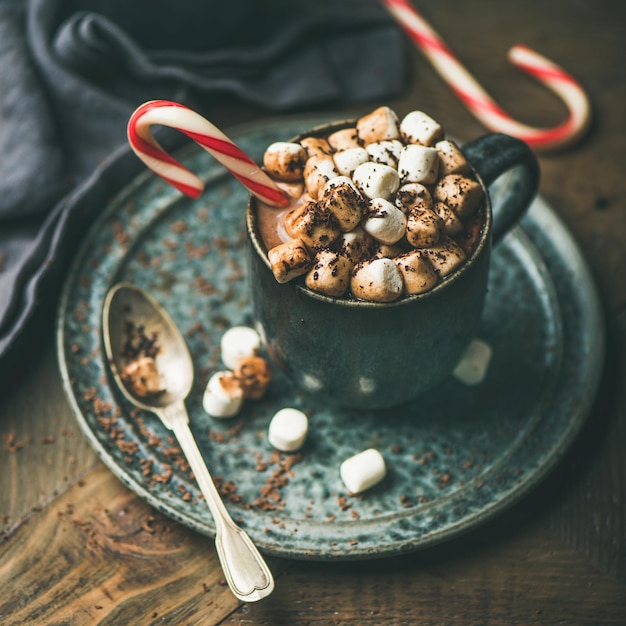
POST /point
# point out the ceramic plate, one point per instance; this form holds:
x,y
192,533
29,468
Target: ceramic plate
x,y
456,457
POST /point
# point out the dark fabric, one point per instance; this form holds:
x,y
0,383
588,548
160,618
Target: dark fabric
x,y
72,72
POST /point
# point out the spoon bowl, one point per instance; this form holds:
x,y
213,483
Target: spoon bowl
x,y
135,325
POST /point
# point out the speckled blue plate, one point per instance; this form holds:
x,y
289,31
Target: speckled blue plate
x,y
456,457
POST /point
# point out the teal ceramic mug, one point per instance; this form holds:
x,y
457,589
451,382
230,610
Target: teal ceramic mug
x,y
373,355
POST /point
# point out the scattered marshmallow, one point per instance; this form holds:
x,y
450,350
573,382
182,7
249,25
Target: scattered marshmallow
x,y
376,180
289,260
417,272
445,256
356,245
344,139
313,224
389,251
380,124
452,225
419,128
223,396
378,280
288,430
451,159
285,160
363,470
423,228
473,366
344,202
317,172
460,193
316,146
330,273
384,221
412,196
348,160
143,377
237,343
386,152
418,164
253,374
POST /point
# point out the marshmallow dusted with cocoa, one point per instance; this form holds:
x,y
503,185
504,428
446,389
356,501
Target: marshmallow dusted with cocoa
x,y
389,208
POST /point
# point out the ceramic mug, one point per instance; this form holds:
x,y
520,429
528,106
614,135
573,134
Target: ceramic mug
x,y
374,355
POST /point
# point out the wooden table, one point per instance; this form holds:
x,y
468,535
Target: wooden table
x,y
76,549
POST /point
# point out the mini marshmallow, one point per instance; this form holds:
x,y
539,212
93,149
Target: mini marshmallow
x,y
317,172
143,377
377,280
330,273
418,164
423,228
380,124
388,251
452,225
376,180
472,368
462,194
348,160
418,128
292,189
289,260
344,201
412,196
356,245
285,160
313,224
386,152
417,272
316,146
237,343
445,256
344,139
385,222
223,396
363,470
288,429
253,375
451,159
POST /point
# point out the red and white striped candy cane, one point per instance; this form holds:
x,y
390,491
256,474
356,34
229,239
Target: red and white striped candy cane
x,y
480,103
211,138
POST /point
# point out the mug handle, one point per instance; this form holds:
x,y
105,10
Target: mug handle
x,y
494,155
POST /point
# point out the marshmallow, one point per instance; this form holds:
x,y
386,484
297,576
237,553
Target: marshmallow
x,y
388,251
289,260
315,226
461,194
292,189
363,470
330,273
253,375
452,225
344,139
239,342
413,195
355,245
380,124
378,280
418,128
423,228
317,172
288,429
418,164
143,377
223,396
472,368
451,159
385,222
417,272
445,256
316,146
376,180
344,202
385,152
348,160
285,160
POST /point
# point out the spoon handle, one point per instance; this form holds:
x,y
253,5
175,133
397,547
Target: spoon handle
x,y
246,572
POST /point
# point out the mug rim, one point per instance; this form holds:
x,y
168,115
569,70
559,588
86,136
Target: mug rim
x,y
404,300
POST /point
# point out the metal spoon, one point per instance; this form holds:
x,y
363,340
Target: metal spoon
x,y
244,568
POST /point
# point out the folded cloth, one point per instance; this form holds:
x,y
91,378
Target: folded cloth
x,y
72,72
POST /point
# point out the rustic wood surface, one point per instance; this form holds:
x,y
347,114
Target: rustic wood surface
x,y
77,547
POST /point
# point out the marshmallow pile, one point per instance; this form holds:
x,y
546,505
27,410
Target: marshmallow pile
x,y
380,207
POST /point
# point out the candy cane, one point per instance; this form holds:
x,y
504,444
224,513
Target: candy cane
x,y
480,103
213,140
